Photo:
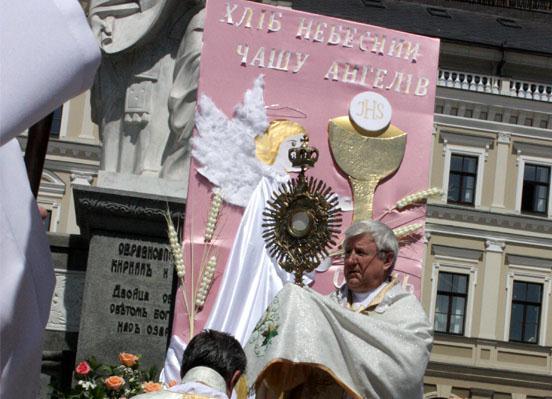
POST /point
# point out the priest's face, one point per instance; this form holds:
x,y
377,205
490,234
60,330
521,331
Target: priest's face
x,y
365,267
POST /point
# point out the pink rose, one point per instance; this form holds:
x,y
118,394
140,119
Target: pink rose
x,y
83,368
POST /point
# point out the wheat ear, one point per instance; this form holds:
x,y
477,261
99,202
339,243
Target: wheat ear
x,y
418,197
404,231
212,219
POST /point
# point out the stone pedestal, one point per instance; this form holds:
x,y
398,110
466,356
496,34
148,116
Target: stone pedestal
x,y
143,184
129,285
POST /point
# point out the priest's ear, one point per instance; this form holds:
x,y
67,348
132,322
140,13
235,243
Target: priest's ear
x,y
388,262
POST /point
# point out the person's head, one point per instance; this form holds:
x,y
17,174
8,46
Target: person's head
x,y
371,250
218,351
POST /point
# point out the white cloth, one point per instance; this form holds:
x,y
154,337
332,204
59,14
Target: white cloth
x,y
202,381
199,389
176,392
27,279
308,339
251,277
48,54
251,280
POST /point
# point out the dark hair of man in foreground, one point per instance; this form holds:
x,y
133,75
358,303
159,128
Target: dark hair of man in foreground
x,y
218,351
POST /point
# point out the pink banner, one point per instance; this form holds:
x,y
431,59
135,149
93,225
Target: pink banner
x,y
313,66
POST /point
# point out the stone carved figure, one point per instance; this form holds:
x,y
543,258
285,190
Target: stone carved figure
x,y
141,41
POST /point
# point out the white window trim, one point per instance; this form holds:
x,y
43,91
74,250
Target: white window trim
x,y
480,153
530,275
521,161
64,125
459,268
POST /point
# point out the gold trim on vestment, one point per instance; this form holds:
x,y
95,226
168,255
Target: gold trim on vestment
x,y
374,302
295,376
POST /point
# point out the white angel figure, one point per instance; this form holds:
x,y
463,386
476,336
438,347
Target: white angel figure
x,y
236,153
246,158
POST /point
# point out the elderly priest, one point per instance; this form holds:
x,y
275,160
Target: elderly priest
x,y
370,339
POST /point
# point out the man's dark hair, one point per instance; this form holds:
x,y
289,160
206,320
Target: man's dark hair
x,y
216,350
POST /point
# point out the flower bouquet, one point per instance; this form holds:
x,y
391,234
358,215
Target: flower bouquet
x,y
100,381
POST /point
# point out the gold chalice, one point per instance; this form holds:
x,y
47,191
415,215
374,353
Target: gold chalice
x,y
366,157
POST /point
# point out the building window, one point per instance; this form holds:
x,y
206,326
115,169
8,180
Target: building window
x,y
56,122
462,179
526,312
450,309
536,186
47,221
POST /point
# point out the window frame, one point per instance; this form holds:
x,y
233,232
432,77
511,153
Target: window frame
x,y
522,161
528,274
453,265
480,154
57,119
54,208
451,295
534,165
463,175
525,303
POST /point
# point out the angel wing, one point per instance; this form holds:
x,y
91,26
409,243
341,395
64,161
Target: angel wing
x,y
225,147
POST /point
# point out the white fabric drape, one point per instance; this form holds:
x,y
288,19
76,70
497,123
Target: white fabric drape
x,y
27,279
48,55
251,277
251,280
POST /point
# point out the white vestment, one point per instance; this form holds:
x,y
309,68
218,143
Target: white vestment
x,y
314,346
198,383
48,55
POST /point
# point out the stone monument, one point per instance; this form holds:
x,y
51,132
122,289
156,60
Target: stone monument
x,y
143,99
129,285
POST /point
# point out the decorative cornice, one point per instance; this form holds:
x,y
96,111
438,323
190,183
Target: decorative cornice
x,y
501,377
466,139
51,189
533,150
122,212
478,125
72,166
519,260
51,185
494,246
479,217
81,178
504,137
127,209
72,149
462,253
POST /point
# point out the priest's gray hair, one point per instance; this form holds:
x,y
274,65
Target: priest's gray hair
x,y
383,236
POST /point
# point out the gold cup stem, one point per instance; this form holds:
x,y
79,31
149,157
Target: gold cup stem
x,y
363,196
